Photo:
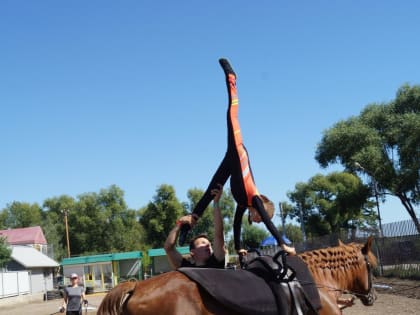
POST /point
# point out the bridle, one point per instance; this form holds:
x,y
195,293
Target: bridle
x,y
369,297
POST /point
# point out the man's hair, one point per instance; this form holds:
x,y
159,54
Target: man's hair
x,y
203,235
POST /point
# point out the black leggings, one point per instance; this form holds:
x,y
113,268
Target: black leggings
x,y
231,167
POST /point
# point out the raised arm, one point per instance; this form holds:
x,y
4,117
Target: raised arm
x,y
219,240
174,257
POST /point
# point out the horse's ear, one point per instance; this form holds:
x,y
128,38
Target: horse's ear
x,y
367,247
340,243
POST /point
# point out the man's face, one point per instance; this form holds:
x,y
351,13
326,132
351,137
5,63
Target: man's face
x,y
202,249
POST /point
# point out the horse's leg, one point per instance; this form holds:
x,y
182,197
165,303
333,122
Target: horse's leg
x,y
329,305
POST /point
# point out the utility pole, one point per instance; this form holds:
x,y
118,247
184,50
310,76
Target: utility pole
x,y
302,224
282,218
375,190
66,213
381,233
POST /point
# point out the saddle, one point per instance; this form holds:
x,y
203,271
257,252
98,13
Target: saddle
x,y
262,288
293,287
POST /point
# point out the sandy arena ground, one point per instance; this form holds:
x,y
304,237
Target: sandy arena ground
x,y
402,299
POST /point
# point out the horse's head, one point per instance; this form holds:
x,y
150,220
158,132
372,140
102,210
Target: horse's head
x,y
364,285
344,269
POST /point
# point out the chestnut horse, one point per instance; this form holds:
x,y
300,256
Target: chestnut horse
x,y
336,271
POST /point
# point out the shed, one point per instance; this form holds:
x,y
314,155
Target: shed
x,y
103,272
40,266
160,263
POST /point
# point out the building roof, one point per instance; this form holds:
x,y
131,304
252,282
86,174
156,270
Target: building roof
x,y
29,257
24,236
154,252
101,258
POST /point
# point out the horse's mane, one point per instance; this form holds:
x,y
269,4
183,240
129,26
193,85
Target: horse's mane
x,y
336,264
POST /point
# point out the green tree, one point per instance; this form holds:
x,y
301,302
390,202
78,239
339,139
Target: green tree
x,y
251,234
205,223
97,222
102,223
53,223
293,232
385,141
20,215
122,230
5,252
328,203
160,215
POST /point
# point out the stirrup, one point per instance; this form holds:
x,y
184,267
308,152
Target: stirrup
x,y
283,274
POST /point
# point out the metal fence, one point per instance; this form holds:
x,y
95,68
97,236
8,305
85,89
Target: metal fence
x,y
398,249
14,283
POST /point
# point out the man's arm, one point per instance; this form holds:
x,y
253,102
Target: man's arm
x,y
219,240
174,257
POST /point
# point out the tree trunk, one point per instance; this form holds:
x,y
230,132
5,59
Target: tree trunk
x,y
410,209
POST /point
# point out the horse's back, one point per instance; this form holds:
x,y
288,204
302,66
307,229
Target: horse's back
x,y
112,302
171,293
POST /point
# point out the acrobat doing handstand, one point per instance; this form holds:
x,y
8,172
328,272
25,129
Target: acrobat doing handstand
x,y
236,165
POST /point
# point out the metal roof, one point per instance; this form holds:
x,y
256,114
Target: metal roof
x,y
161,252
29,257
101,258
24,236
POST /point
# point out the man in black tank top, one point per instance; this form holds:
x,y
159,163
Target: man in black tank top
x,y
202,252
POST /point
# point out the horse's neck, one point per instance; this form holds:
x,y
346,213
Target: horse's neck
x,y
334,267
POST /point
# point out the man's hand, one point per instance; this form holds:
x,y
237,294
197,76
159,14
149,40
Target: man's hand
x,y
85,302
217,193
186,223
243,259
191,220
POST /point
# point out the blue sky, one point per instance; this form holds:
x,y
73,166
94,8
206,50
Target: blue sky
x,y
96,93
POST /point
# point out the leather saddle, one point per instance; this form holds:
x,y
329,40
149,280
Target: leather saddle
x,y
262,288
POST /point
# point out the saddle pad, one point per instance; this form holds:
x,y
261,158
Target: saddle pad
x,y
306,280
239,290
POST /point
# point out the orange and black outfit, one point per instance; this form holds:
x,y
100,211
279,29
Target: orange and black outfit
x,y
235,165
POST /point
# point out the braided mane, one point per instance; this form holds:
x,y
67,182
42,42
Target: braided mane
x,y
338,264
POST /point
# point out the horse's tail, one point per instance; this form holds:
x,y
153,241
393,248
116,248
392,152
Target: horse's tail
x,y
113,302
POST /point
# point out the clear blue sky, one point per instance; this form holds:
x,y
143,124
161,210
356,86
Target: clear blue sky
x,y
95,93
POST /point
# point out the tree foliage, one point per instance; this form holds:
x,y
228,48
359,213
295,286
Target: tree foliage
x,y
53,223
5,252
328,203
97,223
21,214
160,215
293,233
384,143
205,223
252,234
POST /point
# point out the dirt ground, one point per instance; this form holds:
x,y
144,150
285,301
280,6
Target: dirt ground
x,y
402,298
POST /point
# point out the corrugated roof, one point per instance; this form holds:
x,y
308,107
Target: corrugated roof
x,y
101,258
24,236
29,257
161,252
